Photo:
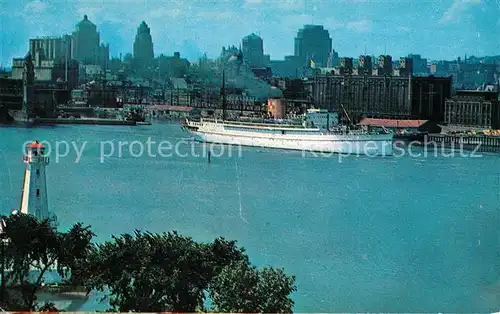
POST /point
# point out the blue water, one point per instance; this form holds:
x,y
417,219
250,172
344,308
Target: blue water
x,y
365,234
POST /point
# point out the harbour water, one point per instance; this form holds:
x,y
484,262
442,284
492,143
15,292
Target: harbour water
x,y
414,234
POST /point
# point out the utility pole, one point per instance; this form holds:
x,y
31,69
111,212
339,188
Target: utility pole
x,y
2,293
2,270
66,66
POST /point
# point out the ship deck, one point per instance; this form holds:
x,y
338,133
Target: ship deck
x,y
257,124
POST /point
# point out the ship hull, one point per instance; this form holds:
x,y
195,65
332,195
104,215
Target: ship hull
x,y
352,144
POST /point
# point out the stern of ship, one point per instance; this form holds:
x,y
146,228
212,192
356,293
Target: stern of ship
x,y
189,125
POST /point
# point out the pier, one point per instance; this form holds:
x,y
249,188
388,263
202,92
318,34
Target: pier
x,y
83,121
483,143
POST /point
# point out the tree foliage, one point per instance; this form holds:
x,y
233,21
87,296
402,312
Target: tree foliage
x,y
243,288
32,248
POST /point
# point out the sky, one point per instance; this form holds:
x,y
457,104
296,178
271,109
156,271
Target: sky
x,y
438,29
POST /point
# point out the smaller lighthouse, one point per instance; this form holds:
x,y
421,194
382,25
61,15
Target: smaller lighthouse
x,y
34,193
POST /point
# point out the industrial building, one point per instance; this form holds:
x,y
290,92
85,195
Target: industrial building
x,y
381,92
473,109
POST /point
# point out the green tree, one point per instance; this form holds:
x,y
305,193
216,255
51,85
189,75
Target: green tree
x,y
49,307
160,272
242,288
32,248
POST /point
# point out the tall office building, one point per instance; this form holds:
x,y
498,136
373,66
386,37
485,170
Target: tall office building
x,y
143,48
313,42
85,47
253,51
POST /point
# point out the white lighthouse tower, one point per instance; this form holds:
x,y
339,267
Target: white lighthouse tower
x,y
34,194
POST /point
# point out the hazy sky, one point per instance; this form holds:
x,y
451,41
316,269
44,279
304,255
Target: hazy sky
x,y
439,29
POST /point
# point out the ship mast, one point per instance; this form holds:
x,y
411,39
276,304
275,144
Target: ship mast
x,y
347,90
223,91
346,114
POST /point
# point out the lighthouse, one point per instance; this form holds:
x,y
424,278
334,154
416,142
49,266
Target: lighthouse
x,y
34,193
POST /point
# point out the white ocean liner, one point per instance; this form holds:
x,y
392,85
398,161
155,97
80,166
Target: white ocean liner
x,y
296,137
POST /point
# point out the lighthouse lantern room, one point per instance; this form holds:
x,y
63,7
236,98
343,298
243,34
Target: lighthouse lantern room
x,y
34,193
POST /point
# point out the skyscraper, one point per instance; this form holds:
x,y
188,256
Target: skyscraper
x,y
143,48
253,50
85,46
313,42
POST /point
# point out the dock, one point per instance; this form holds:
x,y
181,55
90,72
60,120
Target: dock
x,y
91,121
482,143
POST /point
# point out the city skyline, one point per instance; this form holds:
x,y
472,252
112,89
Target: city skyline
x,y
433,29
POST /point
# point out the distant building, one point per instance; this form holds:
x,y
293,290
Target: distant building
x,y
52,47
473,109
419,65
384,65
365,66
263,72
48,70
143,48
267,61
226,53
313,42
276,108
290,67
440,68
103,56
253,51
291,88
472,75
11,93
404,68
172,66
86,42
99,94
177,92
320,118
238,99
295,94
90,72
115,65
234,65
333,59
38,87
346,66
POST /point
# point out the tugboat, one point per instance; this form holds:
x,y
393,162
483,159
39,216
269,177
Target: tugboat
x,y
137,115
